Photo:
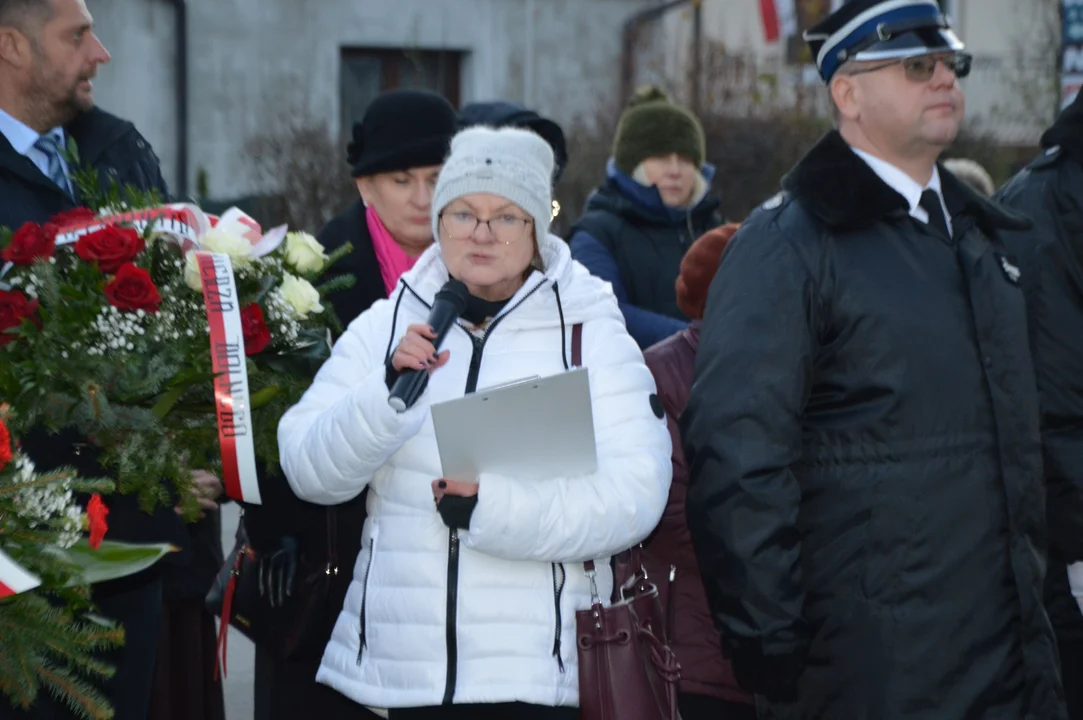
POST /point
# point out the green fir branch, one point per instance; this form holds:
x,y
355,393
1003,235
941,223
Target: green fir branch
x,y
82,698
337,254
15,683
336,284
44,646
84,485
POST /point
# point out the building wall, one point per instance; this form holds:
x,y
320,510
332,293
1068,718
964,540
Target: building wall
x,y
252,60
1009,39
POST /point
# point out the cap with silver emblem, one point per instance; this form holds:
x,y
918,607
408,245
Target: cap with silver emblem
x,y
880,30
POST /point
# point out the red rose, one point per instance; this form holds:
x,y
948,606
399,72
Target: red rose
x,y
256,334
29,243
5,445
14,308
95,515
61,221
132,289
110,247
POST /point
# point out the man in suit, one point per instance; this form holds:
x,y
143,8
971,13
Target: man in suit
x,y
49,56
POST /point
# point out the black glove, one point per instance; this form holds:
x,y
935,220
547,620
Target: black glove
x,y
456,510
278,571
775,677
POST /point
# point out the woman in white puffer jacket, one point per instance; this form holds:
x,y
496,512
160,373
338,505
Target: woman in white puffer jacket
x,y
465,608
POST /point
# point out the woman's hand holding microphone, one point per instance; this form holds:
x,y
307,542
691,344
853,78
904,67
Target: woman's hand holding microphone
x,y
416,351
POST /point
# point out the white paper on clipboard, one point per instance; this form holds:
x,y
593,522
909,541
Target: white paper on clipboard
x,y
530,429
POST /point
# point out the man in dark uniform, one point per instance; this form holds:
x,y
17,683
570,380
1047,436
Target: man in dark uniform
x,y
866,493
1050,256
49,56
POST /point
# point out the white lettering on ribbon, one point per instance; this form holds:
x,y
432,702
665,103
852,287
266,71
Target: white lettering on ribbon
x,y
231,377
182,222
13,578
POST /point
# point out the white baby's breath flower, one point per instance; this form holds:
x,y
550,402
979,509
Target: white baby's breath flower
x,y
51,504
304,252
300,294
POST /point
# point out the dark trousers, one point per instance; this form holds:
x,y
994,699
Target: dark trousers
x,y
287,690
495,711
703,707
136,604
1071,672
184,684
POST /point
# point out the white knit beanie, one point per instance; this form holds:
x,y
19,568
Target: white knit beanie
x,y
512,163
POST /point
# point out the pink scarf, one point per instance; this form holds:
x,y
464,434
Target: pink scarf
x,y
393,259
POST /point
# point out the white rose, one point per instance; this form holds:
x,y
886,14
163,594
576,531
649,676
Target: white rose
x,y
304,252
220,241
192,276
300,294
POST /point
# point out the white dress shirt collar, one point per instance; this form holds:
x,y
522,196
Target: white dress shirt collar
x,y
906,186
21,137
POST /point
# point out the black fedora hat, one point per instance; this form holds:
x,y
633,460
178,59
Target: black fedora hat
x,y
402,129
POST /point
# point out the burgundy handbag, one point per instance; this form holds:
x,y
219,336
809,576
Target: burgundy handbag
x,y
626,669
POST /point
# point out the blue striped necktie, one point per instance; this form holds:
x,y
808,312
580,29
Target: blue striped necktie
x,y
50,145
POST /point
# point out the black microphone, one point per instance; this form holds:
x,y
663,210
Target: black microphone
x,y
449,305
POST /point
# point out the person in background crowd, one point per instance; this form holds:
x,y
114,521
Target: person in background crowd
x,y
708,690
497,114
185,686
656,200
1050,260
395,156
971,173
49,56
865,473
464,597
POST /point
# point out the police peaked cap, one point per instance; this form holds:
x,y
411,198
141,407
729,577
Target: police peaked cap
x,y
880,30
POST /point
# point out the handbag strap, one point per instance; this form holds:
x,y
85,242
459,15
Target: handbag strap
x,y
634,557
577,361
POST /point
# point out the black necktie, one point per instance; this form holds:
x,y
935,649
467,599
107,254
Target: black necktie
x,y
930,203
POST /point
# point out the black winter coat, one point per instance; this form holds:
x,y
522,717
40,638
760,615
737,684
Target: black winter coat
x,y
116,149
111,145
1050,191
631,239
865,465
282,513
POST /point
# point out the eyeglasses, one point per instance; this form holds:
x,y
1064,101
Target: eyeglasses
x,y
506,228
921,68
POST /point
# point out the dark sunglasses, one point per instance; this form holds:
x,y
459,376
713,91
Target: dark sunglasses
x,y
921,68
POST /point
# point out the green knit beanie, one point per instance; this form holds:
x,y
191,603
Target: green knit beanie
x,y
652,126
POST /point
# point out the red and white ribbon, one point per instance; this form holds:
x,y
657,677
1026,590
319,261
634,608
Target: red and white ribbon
x,y
231,395
182,222
13,578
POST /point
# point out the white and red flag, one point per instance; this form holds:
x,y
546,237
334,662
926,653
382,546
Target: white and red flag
x,y
781,20
14,579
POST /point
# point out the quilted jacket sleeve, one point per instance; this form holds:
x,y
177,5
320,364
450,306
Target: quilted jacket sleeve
x,y
646,327
581,518
742,434
334,440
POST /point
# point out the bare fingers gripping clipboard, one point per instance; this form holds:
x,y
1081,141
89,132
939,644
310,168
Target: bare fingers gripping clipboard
x,y
533,429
